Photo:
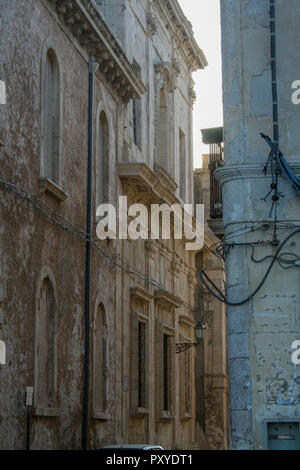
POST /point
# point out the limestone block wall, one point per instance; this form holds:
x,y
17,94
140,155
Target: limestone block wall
x,y
263,381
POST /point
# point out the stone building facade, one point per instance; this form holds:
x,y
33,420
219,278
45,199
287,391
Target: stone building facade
x,y
264,382
212,393
142,293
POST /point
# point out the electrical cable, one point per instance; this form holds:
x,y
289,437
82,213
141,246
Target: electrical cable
x,y
221,297
66,225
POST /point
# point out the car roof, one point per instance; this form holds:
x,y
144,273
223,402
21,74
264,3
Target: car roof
x,y
134,446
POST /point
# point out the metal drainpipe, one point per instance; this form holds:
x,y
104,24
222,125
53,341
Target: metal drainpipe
x,y
93,66
274,72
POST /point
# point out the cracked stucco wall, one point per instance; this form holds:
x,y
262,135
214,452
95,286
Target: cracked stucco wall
x,y
264,384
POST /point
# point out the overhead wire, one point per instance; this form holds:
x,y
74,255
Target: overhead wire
x,y
66,225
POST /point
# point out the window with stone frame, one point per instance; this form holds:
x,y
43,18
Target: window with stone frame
x,y
142,364
137,122
102,167
45,383
164,372
187,382
52,116
182,165
165,131
100,362
185,367
139,353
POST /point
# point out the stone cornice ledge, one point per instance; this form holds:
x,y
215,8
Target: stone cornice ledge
x,y
229,173
88,25
154,185
140,294
184,33
166,298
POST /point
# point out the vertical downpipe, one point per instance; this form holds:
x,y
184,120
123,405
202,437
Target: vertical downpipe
x,y
92,69
274,72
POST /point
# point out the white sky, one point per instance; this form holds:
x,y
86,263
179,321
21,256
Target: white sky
x,y
205,18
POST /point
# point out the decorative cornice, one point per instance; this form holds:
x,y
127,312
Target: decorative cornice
x,y
187,320
87,24
166,298
140,294
166,74
192,53
152,23
154,186
165,178
192,95
176,66
242,171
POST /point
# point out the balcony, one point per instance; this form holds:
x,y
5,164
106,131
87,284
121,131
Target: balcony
x,y
214,138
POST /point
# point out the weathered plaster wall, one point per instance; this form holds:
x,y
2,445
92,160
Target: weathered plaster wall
x,y
263,380
29,241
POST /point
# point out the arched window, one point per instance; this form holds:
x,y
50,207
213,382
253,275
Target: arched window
x,y
102,173
45,383
52,117
165,125
100,361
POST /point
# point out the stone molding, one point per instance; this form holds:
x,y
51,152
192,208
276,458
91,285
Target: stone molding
x,y
192,95
154,187
165,71
152,23
166,298
140,294
242,171
89,27
187,320
183,33
46,185
47,412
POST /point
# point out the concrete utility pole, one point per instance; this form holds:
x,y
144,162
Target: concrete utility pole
x,y
264,382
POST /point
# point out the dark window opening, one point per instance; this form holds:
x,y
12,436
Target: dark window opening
x,y
166,372
136,122
141,365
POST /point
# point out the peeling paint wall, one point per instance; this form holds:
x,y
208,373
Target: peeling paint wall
x,y
29,241
263,381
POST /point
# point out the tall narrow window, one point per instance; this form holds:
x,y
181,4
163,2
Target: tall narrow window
x,y
166,372
137,120
52,118
100,361
182,164
45,347
187,382
142,365
102,172
163,130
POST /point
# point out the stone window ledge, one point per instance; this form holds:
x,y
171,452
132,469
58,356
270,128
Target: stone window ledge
x,y
45,411
186,417
46,185
165,417
140,413
101,415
